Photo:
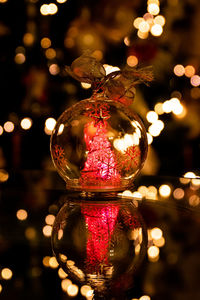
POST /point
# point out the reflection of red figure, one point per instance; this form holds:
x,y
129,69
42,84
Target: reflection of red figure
x,y
101,164
100,222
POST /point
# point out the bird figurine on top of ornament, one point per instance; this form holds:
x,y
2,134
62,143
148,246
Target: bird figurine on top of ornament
x,y
99,144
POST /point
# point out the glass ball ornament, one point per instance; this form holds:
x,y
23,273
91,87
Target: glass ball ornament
x,y
99,242
98,145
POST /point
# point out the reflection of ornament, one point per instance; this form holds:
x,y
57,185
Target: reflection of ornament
x,y
97,242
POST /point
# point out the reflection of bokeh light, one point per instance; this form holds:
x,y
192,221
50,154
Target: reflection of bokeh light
x,y
195,80
164,190
45,261
53,262
50,219
194,200
109,69
132,60
153,252
30,233
145,297
85,85
156,233
61,273
26,123
189,71
126,41
179,70
72,290
149,138
178,193
153,9
159,108
8,126
3,175
152,116
47,230
6,273
22,214
45,42
65,283
84,289
156,30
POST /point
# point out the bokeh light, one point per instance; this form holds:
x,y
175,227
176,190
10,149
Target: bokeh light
x,y
45,42
9,126
47,230
156,233
156,30
178,193
152,116
189,71
3,175
195,80
179,70
22,214
50,219
72,290
132,60
165,190
26,123
53,263
6,274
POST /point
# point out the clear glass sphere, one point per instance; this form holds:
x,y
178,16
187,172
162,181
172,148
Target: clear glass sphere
x,y
98,145
99,243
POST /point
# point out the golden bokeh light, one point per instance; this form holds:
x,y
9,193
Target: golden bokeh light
x,y
50,124
9,126
61,273
45,42
189,175
50,53
53,263
72,290
149,138
84,289
132,60
3,175
47,230
142,35
167,106
159,108
137,22
145,297
65,283
49,219
152,116
6,274
153,253
154,130
1,130
61,1
153,8
53,8
44,9
85,85
144,27
26,123
22,214
156,30
189,71
20,58
194,200
45,261
179,70
30,233
1,288
178,193
159,20
195,80
165,190
28,39
127,41
54,69
156,233
159,242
